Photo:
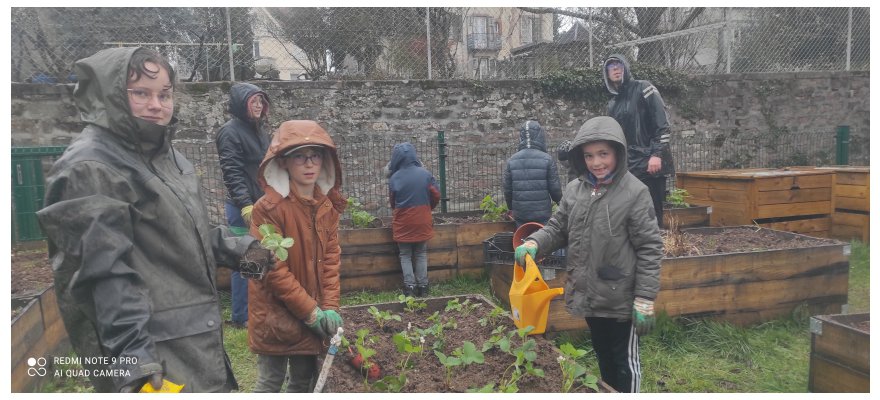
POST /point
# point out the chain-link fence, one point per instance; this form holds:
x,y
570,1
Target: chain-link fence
x,y
210,44
470,172
467,172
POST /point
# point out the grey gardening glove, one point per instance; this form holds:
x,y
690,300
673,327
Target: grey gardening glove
x,y
643,315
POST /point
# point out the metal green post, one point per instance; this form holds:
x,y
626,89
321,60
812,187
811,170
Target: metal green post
x,y
842,142
441,147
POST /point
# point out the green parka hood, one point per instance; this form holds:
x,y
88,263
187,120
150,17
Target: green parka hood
x,y
101,96
598,128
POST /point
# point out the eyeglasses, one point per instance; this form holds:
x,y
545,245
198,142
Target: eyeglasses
x,y
143,96
301,158
613,64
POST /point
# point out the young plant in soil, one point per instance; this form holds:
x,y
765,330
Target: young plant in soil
x,y
495,316
492,211
676,198
382,317
463,307
404,344
411,304
362,359
525,354
572,371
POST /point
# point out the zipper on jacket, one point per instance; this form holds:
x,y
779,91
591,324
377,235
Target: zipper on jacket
x,y
320,294
149,164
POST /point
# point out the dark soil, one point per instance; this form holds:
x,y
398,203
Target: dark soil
x,y
735,240
31,271
427,374
31,274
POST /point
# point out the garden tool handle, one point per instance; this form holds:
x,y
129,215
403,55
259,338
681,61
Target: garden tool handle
x,y
328,360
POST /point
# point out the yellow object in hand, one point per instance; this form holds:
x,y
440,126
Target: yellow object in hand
x,y
246,213
167,387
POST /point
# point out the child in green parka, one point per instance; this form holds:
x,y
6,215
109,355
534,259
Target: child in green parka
x,y
607,220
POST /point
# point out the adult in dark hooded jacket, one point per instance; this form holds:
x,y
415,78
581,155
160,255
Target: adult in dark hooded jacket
x,y
530,180
241,144
413,193
132,251
640,111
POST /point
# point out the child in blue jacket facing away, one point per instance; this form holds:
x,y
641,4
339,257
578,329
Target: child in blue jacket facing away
x,y
413,193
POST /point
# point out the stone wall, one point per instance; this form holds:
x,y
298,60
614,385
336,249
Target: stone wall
x,y
487,114
486,111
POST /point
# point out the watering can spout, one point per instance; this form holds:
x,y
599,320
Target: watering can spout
x,y
530,297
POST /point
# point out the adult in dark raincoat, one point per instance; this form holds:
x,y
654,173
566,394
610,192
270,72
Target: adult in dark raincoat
x,y
132,252
641,112
530,180
241,144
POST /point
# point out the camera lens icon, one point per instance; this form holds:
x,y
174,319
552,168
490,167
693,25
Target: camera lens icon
x,y
37,366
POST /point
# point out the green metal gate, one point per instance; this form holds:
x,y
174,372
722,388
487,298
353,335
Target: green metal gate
x,y
28,188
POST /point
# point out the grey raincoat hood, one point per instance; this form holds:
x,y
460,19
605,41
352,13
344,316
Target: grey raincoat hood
x,y
627,75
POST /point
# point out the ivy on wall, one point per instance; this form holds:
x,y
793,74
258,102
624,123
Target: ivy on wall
x,y
588,87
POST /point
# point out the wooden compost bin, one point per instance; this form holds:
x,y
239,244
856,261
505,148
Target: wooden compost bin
x,y
37,333
790,200
852,202
741,288
370,256
687,217
840,356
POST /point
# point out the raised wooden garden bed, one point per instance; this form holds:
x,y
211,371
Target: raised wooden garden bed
x,y
424,372
37,333
744,287
852,201
840,356
687,217
794,200
370,256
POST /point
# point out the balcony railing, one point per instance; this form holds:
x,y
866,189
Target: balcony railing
x,y
483,41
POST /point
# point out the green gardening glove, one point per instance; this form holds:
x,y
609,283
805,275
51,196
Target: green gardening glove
x,y
332,321
315,322
528,247
643,315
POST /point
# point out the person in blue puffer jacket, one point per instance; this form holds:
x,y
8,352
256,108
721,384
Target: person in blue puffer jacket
x,y
530,179
413,193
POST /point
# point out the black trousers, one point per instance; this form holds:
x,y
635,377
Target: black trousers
x,y
657,187
617,348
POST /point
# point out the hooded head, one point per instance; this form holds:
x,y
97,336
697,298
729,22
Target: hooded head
x,y
102,96
289,137
531,136
403,155
615,59
598,128
240,94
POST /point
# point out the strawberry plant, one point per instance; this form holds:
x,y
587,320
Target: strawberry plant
x,y
274,241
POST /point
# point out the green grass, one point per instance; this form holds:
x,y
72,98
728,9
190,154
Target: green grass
x,y
680,356
859,278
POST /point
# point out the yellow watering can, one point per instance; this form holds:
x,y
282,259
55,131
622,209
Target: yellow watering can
x,y
530,297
